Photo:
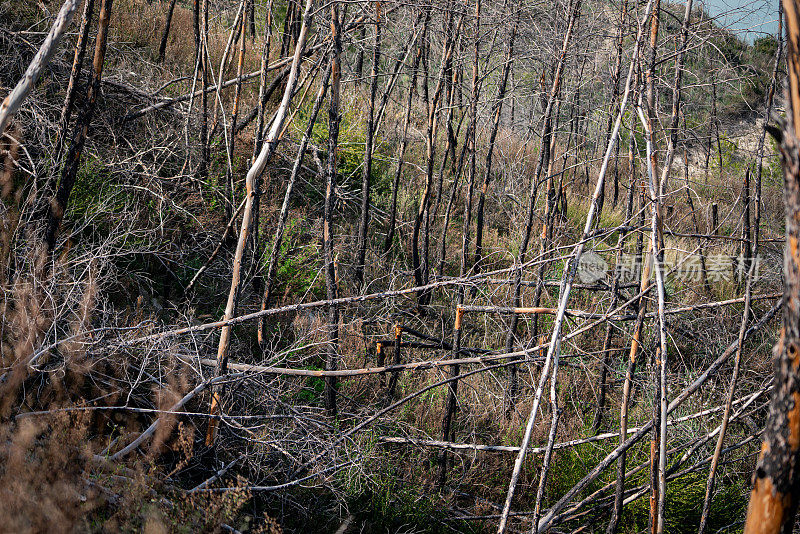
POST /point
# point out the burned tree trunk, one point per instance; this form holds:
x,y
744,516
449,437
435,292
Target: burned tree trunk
x,y
497,109
776,481
327,230
452,391
387,243
75,74
162,48
419,258
366,177
79,133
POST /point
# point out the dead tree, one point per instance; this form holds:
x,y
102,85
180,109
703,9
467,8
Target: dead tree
x,y
69,173
75,74
497,110
544,151
607,351
366,176
330,193
387,243
267,150
419,258
649,118
162,48
452,391
258,136
776,481
16,97
202,53
272,265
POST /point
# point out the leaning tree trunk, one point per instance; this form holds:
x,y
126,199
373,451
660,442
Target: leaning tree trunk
x,y
75,74
70,171
162,48
267,150
776,481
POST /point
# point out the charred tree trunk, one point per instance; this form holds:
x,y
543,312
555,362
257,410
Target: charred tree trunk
x,y
203,51
452,391
366,176
497,110
162,48
75,74
419,258
776,481
327,229
80,131
387,243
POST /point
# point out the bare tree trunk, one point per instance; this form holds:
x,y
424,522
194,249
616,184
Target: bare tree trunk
x,y
258,137
544,152
366,176
497,110
267,150
251,18
452,390
284,215
231,144
387,243
649,119
548,454
330,189
359,66
420,261
776,481
619,491
79,133
450,138
16,97
615,88
451,202
288,36
236,31
162,48
608,351
398,339
767,110
203,51
75,74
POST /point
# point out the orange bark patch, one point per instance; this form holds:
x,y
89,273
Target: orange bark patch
x,y
794,422
767,510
